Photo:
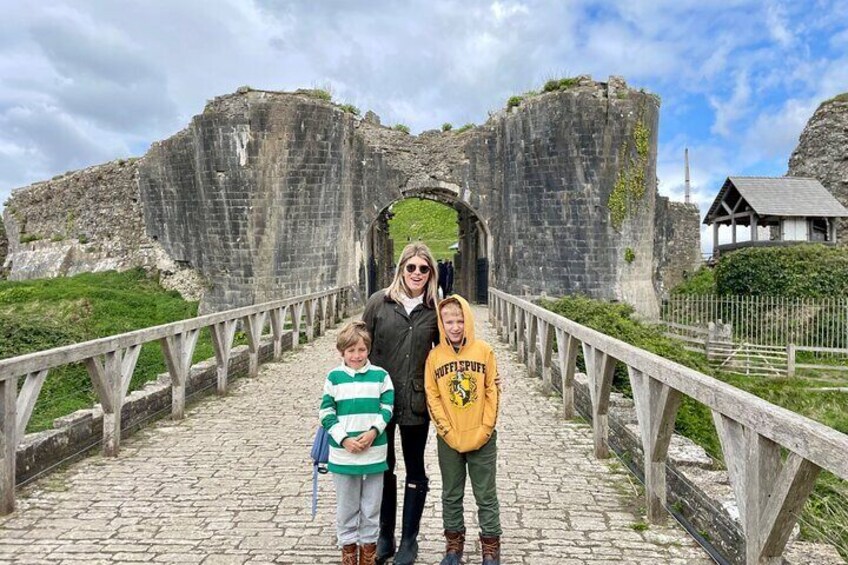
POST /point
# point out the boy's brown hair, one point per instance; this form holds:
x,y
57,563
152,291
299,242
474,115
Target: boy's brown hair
x,y
452,305
351,333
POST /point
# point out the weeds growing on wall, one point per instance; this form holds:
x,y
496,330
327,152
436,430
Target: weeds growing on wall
x,y
401,127
630,188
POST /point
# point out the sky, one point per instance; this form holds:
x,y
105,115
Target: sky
x,y
87,81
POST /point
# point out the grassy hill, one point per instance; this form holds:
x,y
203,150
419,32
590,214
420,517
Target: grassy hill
x,y
427,221
46,313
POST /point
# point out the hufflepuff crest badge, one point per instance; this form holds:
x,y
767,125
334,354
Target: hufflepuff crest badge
x,y
462,390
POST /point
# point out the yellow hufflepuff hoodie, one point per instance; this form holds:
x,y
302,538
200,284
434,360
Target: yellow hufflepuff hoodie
x,y
461,392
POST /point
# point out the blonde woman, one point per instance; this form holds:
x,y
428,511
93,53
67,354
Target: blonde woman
x,y
403,325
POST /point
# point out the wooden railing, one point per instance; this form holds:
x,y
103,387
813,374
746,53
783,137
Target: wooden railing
x,y
770,490
111,361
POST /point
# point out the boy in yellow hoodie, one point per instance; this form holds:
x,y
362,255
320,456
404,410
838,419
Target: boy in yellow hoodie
x,y
462,396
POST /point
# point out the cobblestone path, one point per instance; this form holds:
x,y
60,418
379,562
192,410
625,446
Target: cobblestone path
x,y
231,484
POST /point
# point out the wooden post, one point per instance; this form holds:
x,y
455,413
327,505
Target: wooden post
x,y
546,339
567,352
532,325
715,240
322,315
599,368
770,492
790,360
253,325
510,324
222,343
332,317
297,315
310,319
26,400
278,322
8,443
178,350
520,337
111,379
656,409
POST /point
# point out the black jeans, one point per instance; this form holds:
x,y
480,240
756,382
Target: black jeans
x,y
414,440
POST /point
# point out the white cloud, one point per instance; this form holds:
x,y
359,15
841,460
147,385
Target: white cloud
x,y
727,112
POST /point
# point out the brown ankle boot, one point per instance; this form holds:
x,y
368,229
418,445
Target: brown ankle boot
x,y
368,554
491,549
454,547
349,554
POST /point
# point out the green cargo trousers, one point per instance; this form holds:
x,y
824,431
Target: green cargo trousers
x,y
482,469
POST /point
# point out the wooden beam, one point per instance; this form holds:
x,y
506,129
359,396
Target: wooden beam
x,y
26,400
178,351
532,342
546,339
567,349
8,443
656,409
600,368
278,322
297,316
253,326
222,342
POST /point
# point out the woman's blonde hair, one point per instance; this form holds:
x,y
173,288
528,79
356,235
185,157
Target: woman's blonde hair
x,y
397,289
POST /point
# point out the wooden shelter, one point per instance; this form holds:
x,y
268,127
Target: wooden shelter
x,y
796,209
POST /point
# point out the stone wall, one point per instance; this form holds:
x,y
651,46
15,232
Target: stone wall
x,y
677,243
4,247
86,221
822,153
269,194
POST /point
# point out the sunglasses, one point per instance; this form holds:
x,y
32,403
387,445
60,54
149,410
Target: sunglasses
x,y
423,269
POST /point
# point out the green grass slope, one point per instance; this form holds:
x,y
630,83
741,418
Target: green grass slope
x,y
427,221
46,313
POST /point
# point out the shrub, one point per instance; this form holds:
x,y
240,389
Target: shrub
x,y
514,101
447,126
700,282
800,271
350,108
551,86
28,237
401,127
565,83
629,255
466,127
319,93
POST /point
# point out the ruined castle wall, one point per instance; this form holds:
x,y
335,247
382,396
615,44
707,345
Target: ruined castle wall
x,y
822,153
269,194
677,243
562,158
87,220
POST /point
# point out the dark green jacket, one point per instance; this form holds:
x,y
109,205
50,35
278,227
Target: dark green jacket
x,y
400,345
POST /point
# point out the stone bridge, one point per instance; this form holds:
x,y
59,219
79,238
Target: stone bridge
x,y
228,479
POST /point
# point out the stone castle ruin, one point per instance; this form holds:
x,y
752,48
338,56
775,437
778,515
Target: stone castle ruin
x,y
271,194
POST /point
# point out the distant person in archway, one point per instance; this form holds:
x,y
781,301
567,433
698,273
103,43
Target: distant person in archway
x,y
402,322
442,269
449,279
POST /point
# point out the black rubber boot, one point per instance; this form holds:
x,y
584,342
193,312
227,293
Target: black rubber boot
x,y
388,519
414,496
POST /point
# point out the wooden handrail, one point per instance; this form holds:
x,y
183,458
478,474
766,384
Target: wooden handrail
x,y
110,362
770,491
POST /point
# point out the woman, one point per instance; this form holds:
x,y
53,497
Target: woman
x,y
403,326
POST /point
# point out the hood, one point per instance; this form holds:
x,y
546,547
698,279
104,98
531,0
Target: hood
x,y
466,314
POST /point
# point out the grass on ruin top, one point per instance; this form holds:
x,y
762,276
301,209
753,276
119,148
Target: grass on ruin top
x,y
46,313
424,220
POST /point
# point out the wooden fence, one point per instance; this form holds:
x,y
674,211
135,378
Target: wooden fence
x,y
111,361
766,320
770,490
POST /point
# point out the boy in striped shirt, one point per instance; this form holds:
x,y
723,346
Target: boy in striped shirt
x,y
355,409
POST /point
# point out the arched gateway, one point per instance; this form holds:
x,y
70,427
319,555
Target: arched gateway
x,y
271,194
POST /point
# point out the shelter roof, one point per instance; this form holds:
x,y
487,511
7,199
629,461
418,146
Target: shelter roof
x,y
780,196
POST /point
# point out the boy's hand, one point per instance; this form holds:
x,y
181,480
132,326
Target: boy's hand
x,y
365,439
351,445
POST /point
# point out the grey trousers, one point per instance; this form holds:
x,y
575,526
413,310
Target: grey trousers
x,y
358,507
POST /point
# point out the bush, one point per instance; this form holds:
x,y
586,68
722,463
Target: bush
x,y
401,127
698,283
466,127
447,126
350,108
514,101
629,255
798,271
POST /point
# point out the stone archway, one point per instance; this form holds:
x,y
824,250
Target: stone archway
x,y
472,261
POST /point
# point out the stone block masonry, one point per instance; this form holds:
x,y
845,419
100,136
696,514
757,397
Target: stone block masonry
x,y
270,194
